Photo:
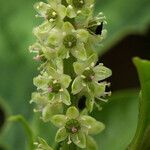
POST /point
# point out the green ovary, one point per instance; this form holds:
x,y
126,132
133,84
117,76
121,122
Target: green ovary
x,y
51,14
70,41
72,126
55,87
89,75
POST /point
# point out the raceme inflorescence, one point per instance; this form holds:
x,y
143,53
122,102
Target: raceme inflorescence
x,y
71,83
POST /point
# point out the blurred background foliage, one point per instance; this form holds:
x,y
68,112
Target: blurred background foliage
x,y
128,36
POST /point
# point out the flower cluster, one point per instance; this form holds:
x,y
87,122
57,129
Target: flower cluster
x,y
65,47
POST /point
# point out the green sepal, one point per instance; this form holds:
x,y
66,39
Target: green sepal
x,y
52,72
40,82
82,35
99,89
41,8
39,99
70,12
94,126
65,97
79,52
90,103
58,120
79,139
77,85
102,72
50,110
72,112
67,27
61,135
91,143
78,68
62,11
42,144
65,80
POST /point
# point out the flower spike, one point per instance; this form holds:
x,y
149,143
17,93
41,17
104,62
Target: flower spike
x,y
69,71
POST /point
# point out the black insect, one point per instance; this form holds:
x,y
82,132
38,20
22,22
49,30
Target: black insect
x,y
96,29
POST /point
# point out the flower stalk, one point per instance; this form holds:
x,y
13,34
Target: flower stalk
x,y
65,46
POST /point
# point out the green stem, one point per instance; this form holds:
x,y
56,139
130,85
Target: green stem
x,y
21,119
69,70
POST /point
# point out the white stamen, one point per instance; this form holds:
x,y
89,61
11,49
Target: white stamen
x,y
69,140
64,33
84,84
79,12
87,68
104,100
98,23
91,6
51,20
55,81
70,43
61,90
101,64
108,93
81,1
70,7
92,64
35,143
78,141
82,76
54,13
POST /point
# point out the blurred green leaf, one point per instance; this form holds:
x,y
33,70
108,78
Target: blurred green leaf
x,y
123,17
120,117
142,136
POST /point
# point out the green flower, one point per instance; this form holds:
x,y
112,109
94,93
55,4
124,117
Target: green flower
x,y
54,84
42,145
43,53
47,107
68,40
95,26
76,127
89,77
77,7
52,11
52,93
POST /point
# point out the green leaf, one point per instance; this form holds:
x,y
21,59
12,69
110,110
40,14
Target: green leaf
x,y
120,118
141,139
123,17
26,127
